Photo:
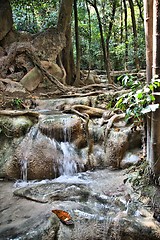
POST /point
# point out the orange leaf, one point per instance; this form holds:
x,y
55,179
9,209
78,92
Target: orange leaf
x,y
63,216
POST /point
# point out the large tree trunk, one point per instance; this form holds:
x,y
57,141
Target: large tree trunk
x,y
68,58
148,23
65,13
64,25
155,123
6,20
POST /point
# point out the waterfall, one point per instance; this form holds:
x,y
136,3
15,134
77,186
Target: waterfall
x,y
26,149
67,158
24,169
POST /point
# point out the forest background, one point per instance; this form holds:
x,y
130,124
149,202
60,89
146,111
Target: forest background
x,y
117,26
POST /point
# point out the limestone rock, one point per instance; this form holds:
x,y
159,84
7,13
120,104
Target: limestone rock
x,y
32,79
116,146
15,87
49,43
2,52
129,159
63,128
53,69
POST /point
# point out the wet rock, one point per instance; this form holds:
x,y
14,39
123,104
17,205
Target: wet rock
x,y
130,159
55,192
116,146
13,127
13,130
63,128
58,104
9,169
95,215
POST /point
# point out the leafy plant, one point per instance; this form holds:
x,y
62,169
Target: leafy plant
x,y
140,100
17,103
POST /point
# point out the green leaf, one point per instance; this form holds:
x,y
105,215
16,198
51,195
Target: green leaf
x,y
140,95
119,102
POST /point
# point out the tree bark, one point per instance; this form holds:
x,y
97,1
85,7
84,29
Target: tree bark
x,y
6,20
64,26
77,80
65,13
68,58
126,34
134,34
148,23
94,4
140,5
108,38
155,123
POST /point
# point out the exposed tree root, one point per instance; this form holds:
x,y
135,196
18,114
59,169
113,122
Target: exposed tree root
x,y
28,49
15,113
84,109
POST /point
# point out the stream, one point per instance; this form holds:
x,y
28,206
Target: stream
x,y
53,166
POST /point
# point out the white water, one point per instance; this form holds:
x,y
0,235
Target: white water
x,y
26,152
67,158
24,164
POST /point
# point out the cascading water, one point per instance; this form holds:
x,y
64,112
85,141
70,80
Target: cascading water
x,y
24,169
68,160
49,153
26,152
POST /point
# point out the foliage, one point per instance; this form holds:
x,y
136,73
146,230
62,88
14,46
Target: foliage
x,y
17,103
139,175
34,16
140,100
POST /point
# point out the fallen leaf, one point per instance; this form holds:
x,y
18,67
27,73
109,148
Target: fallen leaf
x,y
63,216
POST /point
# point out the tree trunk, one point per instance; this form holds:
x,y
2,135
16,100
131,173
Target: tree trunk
x,y
64,26
122,21
140,6
68,59
155,123
108,38
126,34
77,80
148,23
134,34
65,13
89,38
94,4
6,20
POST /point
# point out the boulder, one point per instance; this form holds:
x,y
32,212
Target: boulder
x,y
130,159
32,79
62,127
116,146
53,69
